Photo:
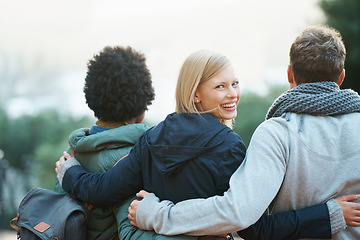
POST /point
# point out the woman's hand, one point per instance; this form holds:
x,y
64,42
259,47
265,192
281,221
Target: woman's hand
x,y
61,161
351,210
133,207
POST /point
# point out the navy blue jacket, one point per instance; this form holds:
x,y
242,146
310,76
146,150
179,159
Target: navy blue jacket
x,y
187,155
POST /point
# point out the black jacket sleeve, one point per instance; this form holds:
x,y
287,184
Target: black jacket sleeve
x,y
105,189
310,222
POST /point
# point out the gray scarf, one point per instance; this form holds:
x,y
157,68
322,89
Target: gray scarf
x,y
320,98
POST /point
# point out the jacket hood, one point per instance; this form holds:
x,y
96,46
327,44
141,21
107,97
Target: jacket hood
x,y
182,137
81,142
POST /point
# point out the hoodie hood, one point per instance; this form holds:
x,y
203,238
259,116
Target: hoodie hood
x,y
182,137
81,142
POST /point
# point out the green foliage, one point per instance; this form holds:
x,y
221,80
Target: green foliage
x,y
343,15
42,169
252,110
32,144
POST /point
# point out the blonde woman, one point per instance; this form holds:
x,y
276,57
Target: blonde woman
x,y
191,154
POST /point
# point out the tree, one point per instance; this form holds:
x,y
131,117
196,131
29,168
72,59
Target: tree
x,y
21,136
32,141
343,15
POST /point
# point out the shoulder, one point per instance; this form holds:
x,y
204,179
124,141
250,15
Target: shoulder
x,y
235,146
81,132
77,136
130,128
125,134
230,135
198,120
273,135
275,126
138,127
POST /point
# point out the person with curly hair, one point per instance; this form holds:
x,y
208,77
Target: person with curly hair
x,y
118,89
118,86
191,154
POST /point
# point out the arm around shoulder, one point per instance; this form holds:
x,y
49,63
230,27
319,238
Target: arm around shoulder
x,y
104,189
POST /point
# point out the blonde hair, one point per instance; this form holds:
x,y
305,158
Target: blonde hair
x,y
197,68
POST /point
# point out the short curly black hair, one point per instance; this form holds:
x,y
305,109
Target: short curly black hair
x,y
118,84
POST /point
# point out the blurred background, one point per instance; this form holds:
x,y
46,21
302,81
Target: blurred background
x,y
45,46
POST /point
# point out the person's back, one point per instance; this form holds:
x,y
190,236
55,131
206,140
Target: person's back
x,y
116,79
318,125
98,153
192,153
323,161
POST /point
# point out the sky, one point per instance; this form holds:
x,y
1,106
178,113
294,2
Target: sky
x,y
45,44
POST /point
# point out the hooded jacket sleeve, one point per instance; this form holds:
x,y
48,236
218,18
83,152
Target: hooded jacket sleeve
x,y
310,222
106,189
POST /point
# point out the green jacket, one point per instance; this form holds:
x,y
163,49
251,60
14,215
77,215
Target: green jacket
x,y
98,153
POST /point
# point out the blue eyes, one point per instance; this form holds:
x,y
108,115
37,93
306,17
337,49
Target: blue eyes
x,y
222,85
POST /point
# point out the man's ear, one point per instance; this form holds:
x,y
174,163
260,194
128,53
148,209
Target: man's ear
x,y
291,79
290,75
341,78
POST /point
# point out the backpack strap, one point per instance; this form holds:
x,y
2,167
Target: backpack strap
x,y
72,153
120,159
12,224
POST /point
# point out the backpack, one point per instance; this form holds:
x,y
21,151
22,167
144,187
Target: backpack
x,y
48,215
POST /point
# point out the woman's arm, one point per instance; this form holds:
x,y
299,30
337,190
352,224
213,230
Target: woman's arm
x,y
311,222
105,189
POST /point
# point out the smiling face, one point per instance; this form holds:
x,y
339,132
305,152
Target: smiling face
x,y
219,95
